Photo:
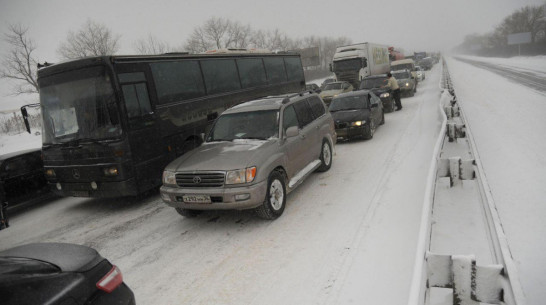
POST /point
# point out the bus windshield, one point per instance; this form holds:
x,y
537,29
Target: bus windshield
x,y
79,105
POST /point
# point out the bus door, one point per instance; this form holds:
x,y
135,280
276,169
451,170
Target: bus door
x,y
147,150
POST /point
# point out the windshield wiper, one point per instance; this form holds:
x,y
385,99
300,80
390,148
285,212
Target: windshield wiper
x,y
91,140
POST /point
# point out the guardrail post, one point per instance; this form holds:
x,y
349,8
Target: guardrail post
x,y
464,272
471,284
467,170
454,168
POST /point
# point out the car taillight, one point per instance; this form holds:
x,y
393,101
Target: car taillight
x,y
111,280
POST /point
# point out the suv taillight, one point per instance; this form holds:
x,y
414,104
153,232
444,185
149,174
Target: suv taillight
x,y
111,280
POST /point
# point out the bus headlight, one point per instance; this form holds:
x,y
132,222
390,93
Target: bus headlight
x,y
169,178
241,175
407,84
110,171
384,95
50,172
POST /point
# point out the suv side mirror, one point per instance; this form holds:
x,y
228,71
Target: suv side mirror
x,y
292,131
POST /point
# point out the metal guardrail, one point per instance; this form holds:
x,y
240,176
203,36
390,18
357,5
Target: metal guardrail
x,y
497,283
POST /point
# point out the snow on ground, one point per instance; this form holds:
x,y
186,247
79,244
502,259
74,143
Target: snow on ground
x,y
348,235
17,142
508,124
533,64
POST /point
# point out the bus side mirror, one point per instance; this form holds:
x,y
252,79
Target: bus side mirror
x,y
330,66
24,113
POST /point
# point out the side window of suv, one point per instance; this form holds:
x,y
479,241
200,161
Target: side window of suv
x,y
317,106
289,118
304,113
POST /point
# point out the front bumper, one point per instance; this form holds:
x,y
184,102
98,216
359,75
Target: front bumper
x,y
350,131
223,198
104,189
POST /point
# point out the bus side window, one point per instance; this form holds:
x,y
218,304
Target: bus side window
x,y
137,101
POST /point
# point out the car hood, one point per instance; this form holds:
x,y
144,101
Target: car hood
x,y
379,91
67,257
344,116
222,156
330,92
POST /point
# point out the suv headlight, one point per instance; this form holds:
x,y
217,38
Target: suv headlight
x,y
239,176
169,178
384,95
358,123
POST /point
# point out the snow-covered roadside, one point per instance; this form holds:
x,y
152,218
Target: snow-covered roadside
x,y
22,141
533,64
507,121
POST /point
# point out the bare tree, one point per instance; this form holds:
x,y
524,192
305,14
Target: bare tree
x,y
273,40
20,64
527,19
218,33
93,39
151,45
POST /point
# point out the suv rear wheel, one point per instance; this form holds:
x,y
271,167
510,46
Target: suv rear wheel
x,y
325,156
275,197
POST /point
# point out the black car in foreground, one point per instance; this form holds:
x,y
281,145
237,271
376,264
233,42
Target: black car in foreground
x,y
375,84
357,114
60,274
22,176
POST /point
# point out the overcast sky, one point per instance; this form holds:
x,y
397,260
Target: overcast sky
x,y
409,24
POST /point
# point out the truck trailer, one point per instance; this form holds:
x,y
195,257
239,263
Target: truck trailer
x,y
354,62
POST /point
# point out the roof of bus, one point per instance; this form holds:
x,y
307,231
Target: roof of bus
x,y
97,60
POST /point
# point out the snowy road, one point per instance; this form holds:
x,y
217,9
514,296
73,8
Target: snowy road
x,y
347,235
527,77
507,122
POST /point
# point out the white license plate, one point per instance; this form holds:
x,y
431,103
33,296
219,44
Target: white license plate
x,y
196,198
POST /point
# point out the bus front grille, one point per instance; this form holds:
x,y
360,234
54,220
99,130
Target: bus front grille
x,y
200,180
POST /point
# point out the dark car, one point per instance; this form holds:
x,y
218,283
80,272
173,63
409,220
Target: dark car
x,y
375,84
357,114
426,63
22,179
313,87
56,273
326,82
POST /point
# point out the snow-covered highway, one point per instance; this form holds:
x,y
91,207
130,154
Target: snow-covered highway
x,y
347,236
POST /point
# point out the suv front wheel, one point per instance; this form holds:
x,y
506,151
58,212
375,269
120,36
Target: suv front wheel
x,y
275,197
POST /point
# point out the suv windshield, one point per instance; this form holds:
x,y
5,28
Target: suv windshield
x,y
349,103
246,125
78,105
401,75
373,83
402,67
333,86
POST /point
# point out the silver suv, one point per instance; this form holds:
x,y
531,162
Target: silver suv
x,y
255,154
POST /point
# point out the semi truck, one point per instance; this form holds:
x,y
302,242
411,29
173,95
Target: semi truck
x,y
354,62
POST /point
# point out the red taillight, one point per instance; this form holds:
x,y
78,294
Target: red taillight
x,y
111,280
